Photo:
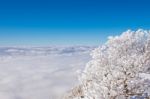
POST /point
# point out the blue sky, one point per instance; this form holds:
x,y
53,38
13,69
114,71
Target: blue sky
x,y
69,22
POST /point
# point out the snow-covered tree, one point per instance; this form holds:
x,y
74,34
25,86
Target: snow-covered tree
x,y
114,72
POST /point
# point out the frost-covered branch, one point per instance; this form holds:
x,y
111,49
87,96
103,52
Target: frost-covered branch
x,y
114,72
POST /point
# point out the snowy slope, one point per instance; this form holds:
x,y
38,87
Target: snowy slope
x,y
40,72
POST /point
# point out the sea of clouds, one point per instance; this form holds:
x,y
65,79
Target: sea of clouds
x,y
40,72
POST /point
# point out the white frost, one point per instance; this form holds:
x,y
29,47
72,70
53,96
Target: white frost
x,y
114,72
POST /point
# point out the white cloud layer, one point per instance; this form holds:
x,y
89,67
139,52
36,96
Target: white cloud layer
x,y
40,72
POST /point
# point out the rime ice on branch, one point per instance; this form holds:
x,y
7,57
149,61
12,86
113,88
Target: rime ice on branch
x,y
114,72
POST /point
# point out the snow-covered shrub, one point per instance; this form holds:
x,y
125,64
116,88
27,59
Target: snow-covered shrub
x,y
74,93
114,72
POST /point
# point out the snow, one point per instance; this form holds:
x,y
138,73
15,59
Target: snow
x,y
145,76
40,72
119,68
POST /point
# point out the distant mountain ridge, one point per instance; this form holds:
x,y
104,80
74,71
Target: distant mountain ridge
x,y
10,51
